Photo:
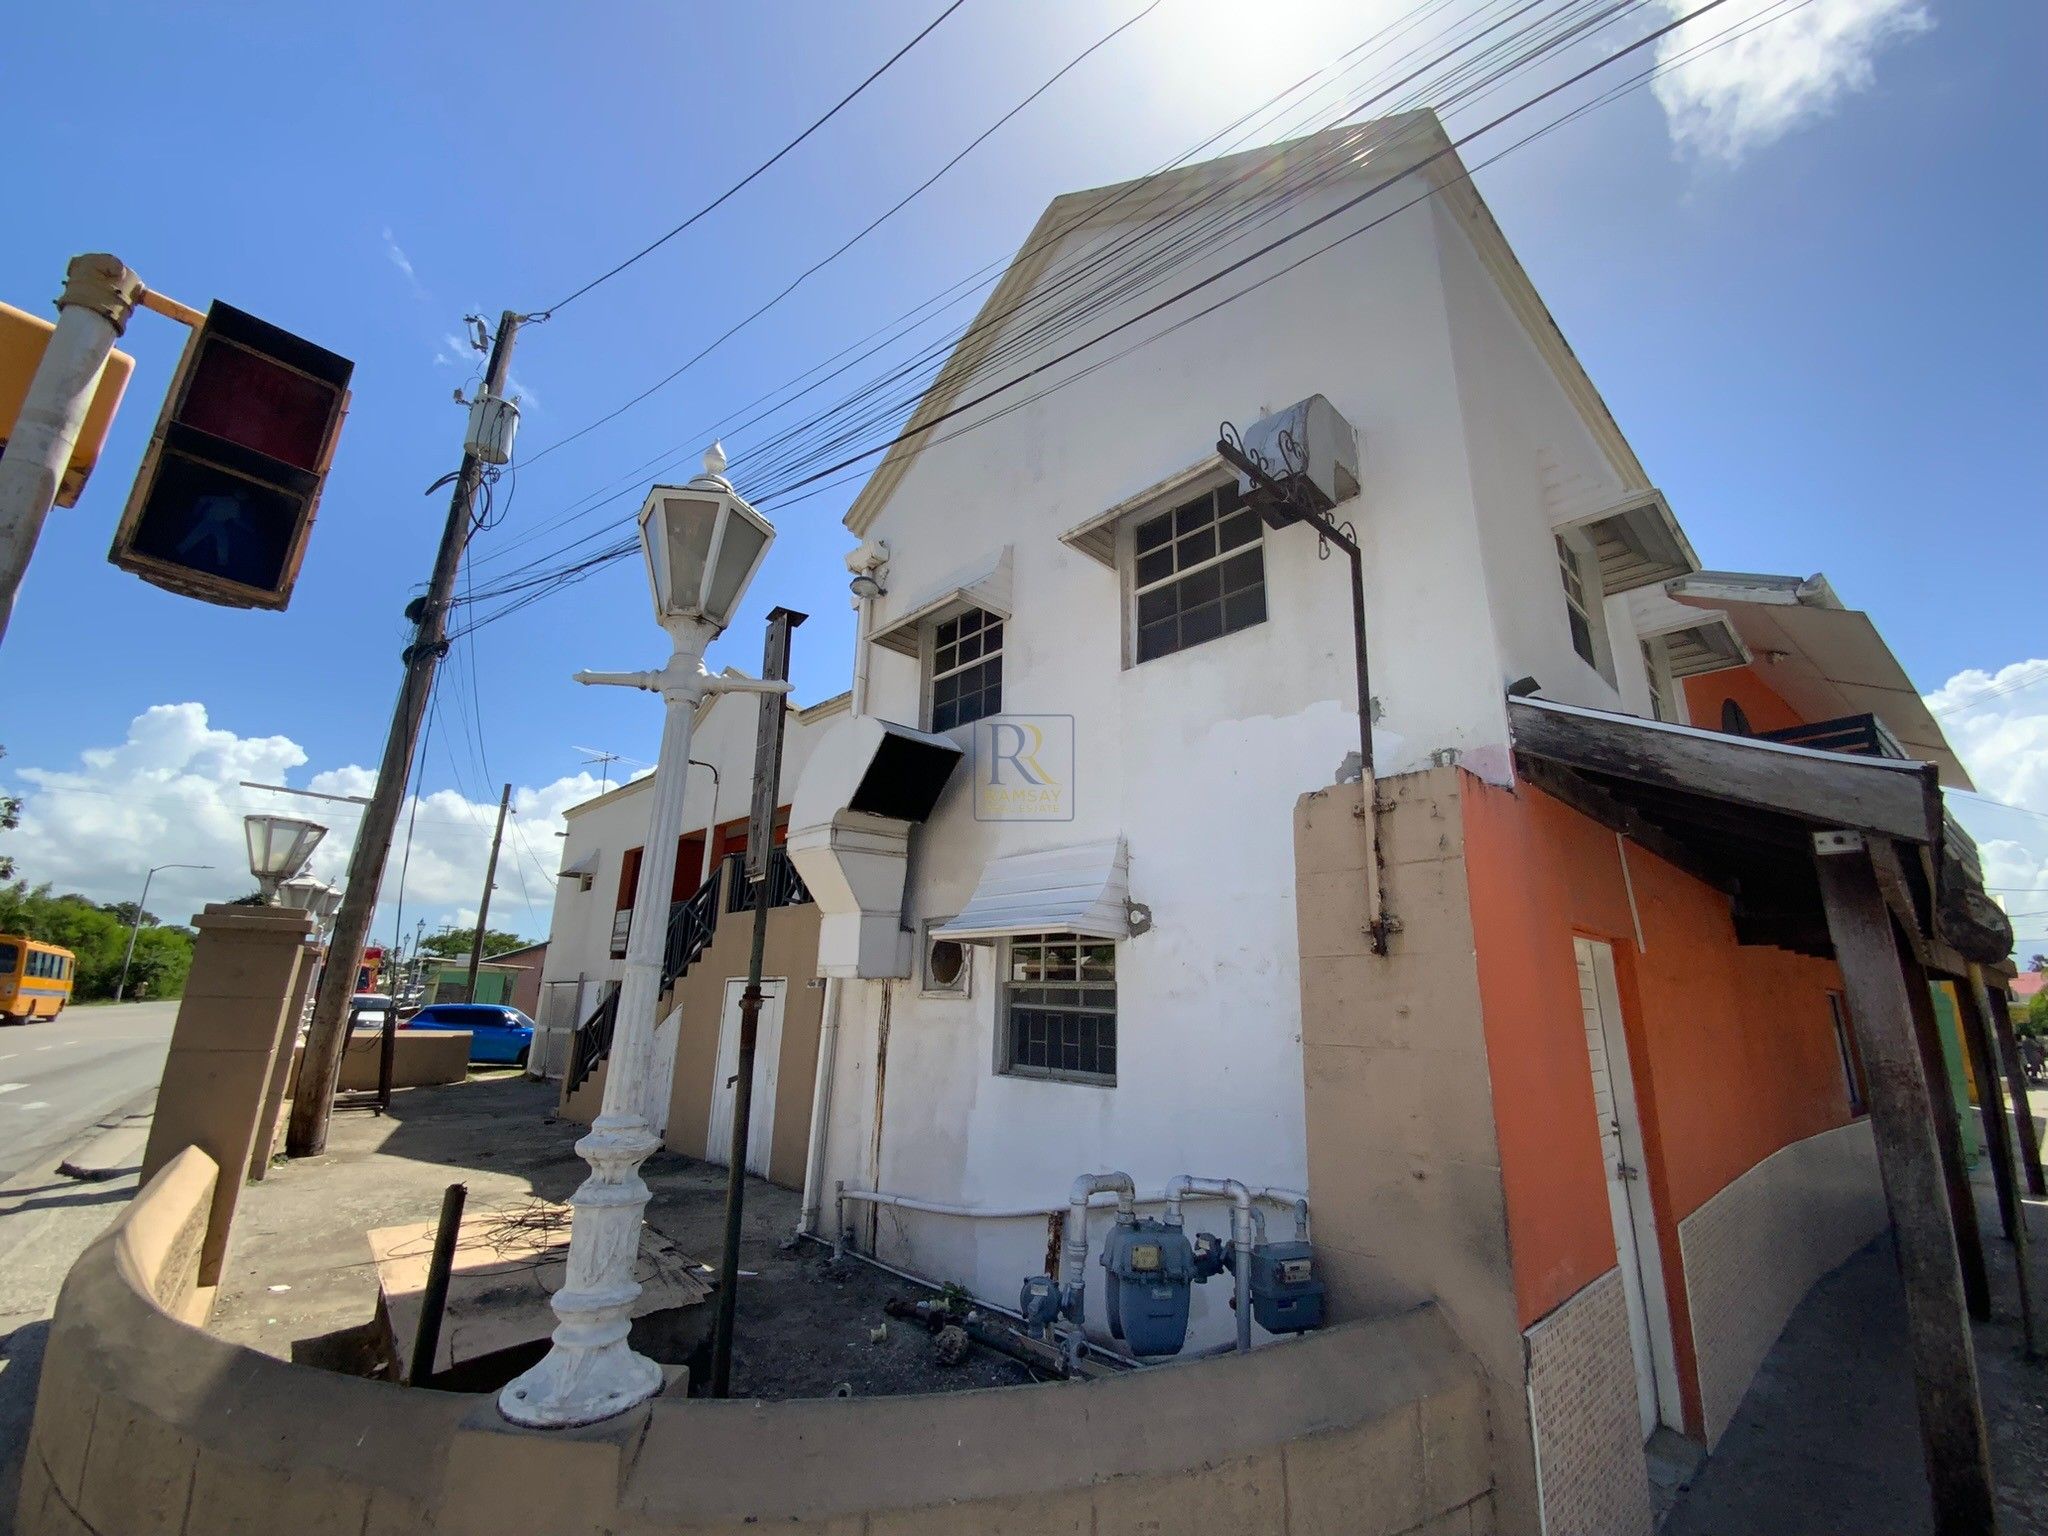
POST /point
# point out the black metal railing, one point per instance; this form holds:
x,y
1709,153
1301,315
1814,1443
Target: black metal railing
x,y
1864,735
785,886
692,924
593,1040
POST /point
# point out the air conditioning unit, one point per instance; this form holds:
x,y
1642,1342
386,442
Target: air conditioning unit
x,y
1310,449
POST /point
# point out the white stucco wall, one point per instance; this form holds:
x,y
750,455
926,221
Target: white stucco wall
x,y
1197,759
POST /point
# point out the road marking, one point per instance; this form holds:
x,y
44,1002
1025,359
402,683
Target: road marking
x,y
11,1087
35,1104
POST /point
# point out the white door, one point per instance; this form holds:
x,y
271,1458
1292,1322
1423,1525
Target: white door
x,y
725,1077
1628,1189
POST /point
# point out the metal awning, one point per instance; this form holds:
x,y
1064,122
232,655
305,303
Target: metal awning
x,y
581,869
1083,888
984,584
1823,659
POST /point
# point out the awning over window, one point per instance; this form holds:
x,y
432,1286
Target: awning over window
x,y
984,584
1082,889
583,868
1637,544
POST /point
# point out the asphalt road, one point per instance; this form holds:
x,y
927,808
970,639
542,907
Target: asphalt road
x,y
59,1078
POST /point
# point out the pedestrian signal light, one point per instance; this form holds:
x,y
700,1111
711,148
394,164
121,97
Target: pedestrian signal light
x,y
225,499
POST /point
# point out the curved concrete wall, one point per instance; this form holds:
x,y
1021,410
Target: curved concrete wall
x,y
146,1424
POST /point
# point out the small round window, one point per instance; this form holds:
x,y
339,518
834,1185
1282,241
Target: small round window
x,y
945,966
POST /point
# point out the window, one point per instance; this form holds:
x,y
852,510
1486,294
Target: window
x,y
1577,609
1852,1066
1059,1008
967,669
10,957
1198,572
1653,670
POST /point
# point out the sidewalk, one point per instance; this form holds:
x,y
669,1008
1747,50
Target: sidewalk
x,y
1827,1441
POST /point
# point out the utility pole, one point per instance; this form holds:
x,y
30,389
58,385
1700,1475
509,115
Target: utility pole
x,y
760,868
483,906
99,295
313,1103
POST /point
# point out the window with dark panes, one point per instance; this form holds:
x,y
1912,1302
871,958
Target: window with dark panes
x,y
1198,572
967,669
1059,1008
1577,610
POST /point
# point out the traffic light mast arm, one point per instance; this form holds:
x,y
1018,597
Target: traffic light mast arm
x,y
313,1102
163,304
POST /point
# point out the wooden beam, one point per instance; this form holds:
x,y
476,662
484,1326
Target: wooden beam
x,y
1948,1128
1952,1433
1976,1013
1596,804
1872,794
2016,1083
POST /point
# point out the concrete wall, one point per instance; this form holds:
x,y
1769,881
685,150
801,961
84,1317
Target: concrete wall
x,y
1754,1250
419,1059
147,1425
1404,1161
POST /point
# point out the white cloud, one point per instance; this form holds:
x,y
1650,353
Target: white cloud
x,y
172,793
403,262
1998,724
1760,82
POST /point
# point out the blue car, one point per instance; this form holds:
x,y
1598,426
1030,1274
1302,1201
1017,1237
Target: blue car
x,y
496,1033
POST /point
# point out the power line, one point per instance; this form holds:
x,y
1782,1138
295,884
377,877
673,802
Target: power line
x,y
649,249
2015,685
1063,320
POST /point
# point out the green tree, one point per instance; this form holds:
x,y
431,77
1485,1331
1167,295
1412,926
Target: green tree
x,y
10,818
452,943
2033,1019
98,937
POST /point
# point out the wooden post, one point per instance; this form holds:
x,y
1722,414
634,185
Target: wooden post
x,y
1948,1129
2016,1083
1972,1007
1952,1432
1997,1129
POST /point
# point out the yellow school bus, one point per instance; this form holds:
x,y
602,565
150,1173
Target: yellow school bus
x,y
35,979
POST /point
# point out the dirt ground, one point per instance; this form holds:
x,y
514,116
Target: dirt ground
x,y
300,1285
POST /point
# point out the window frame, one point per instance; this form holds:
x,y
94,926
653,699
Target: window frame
x,y
1662,686
1006,1064
1578,565
927,663
1130,589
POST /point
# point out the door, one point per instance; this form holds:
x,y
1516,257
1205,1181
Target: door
x,y
725,1077
1628,1189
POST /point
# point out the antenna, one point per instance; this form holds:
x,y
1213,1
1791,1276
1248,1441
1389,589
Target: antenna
x,y
606,759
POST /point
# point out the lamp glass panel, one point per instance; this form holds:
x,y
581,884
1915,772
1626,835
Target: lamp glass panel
x,y
687,523
744,540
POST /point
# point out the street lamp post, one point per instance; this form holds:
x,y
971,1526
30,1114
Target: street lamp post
x,y
279,848
703,545
135,928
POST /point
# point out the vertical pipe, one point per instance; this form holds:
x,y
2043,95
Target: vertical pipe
x,y
2016,1081
426,1342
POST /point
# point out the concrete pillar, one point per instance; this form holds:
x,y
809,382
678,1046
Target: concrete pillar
x,y
235,1018
281,1067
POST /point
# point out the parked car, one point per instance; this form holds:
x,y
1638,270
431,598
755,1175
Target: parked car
x,y
496,1033
366,1010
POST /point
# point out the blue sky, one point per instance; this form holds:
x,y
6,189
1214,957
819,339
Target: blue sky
x,y
1806,277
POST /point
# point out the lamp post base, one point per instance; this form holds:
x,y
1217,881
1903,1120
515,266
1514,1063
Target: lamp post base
x,y
591,1373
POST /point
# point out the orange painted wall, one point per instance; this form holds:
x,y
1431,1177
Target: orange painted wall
x,y
1759,700
1732,1048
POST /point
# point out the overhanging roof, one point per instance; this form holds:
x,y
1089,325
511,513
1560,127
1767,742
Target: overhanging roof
x,y
1083,888
985,583
1823,659
1636,543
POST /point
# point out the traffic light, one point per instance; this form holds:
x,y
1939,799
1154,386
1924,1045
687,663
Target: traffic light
x,y
225,498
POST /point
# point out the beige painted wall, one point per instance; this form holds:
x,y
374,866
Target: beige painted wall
x,y
147,1425
792,954
1404,1167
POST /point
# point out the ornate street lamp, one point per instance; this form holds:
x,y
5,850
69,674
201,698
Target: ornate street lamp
x,y
311,895
279,848
703,545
